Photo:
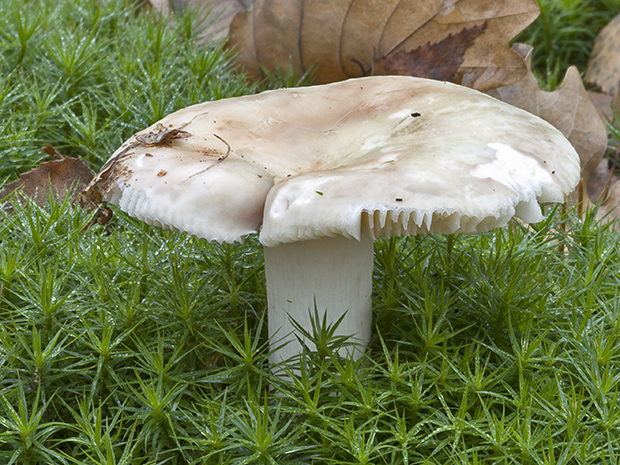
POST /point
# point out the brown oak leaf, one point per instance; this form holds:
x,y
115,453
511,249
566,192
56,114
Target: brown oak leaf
x,y
58,178
344,38
604,64
217,14
568,108
610,207
435,61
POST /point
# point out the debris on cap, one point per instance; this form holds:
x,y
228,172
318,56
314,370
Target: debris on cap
x,y
386,155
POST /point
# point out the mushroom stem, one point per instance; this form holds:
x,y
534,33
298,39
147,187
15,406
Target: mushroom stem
x,y
333,275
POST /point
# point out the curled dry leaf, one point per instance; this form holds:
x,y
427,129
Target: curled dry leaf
x,y
57,178
347,38
604,65
568,108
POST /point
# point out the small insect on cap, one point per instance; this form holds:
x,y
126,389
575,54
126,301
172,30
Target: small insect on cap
x,y
389,155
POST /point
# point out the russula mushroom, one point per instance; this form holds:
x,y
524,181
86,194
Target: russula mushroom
x,y
323,171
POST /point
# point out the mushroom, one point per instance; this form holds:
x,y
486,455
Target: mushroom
x,y
323,171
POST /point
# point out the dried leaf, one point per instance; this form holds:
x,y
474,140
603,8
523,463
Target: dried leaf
x,y
615,103
345,38
600,181
568,108
160,5
437,61
57,178
241,28
609,209
604,186
268,45
602,103
219,13
604,65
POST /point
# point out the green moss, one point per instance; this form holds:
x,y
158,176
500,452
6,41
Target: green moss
x,y
563,35
129,344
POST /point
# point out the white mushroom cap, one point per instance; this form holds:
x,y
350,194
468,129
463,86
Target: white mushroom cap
x,y
382,156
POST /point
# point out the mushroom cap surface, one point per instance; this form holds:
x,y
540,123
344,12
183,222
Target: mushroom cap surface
x,y
386,155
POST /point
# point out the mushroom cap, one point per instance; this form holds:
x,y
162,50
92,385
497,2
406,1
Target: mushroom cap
x,y
387,155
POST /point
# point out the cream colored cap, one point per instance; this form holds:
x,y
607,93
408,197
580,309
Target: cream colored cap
x,y
388,155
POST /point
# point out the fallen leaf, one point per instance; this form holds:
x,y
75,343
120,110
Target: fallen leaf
x,y
346,38
600,181
604,64
161,5
568,108
609,209
273,41
218,14
602,103
437,61
57,178
604,187
615,103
